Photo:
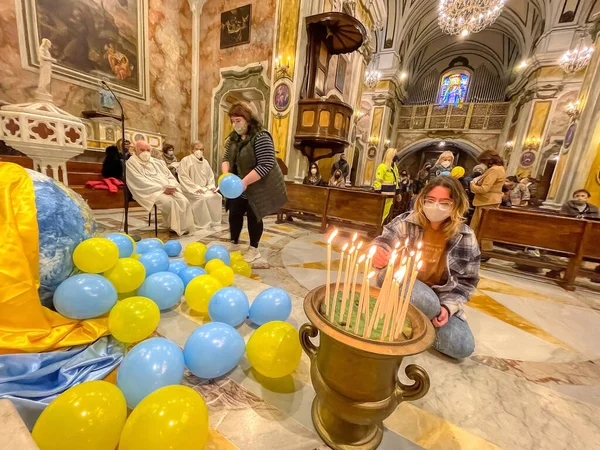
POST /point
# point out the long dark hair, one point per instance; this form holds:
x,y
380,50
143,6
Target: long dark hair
x,y
491,158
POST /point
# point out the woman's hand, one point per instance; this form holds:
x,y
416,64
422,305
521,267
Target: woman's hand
x,y
381,258
442,319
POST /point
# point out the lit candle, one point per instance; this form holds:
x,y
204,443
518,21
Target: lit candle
x,y
337,283
367,300
407,295
381,303
346,282
393,305
352,291
365,281
328,280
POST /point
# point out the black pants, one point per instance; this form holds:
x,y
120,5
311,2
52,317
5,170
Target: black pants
x,y
239,207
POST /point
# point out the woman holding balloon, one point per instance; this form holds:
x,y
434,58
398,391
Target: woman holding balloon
x,y
250,154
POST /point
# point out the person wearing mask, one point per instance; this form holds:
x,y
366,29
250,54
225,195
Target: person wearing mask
x,y
151,184
519,193
579,206
314,176
487,189
250,154
445,163
342,165
168,156
337,180
198,182
112,166
387,181
422,178
450,256
405,189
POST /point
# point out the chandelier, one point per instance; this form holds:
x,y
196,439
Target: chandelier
x,y
468,16
575,60
372,77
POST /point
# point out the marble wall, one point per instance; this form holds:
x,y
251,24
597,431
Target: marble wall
x,y
170,48
213,59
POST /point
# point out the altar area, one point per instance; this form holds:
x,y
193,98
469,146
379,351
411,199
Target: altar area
x,y
533,381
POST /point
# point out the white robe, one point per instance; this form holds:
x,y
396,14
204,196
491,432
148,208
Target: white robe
x,y
147,182
196,175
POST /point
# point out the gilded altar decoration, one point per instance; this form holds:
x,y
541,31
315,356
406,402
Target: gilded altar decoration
x,y
92,40
235,26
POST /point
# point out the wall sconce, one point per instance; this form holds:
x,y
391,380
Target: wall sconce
x,y
281,69
374,140
573,110
358,115
532,144
386,144
509,145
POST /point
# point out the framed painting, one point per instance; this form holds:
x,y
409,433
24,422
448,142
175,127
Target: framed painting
x,y
340,74
570,135
235,26
92,40
282,97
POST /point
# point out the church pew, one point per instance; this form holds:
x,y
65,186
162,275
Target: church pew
x,y
22,161
350,207
575,239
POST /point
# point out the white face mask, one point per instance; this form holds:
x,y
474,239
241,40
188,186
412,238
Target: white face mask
x,y
435,214
170,152
446,164
198,154
145,156
313,171
240,128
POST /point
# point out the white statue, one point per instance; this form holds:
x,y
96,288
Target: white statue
x,y
46,60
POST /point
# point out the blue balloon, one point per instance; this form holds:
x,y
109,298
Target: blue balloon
x,y
147,245
150,365
190,273
173,248
213,349
271,304
177,266
217,252
155,261
124,244
229,305
231,186
84,296
163,288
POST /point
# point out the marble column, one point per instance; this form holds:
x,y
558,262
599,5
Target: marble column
x,y
196,7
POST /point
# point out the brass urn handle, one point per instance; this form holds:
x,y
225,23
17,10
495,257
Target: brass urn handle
x,y
307,331
418,389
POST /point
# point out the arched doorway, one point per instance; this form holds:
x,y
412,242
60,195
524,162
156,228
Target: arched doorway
x,y
414,156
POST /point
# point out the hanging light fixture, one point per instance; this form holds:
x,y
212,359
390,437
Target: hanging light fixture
x,y
372,77
465,17
575,60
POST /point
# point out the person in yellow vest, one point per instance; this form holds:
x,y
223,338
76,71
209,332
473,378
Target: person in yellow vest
x,y
386,181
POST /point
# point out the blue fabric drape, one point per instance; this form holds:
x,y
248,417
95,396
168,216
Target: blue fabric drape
x,y
33,380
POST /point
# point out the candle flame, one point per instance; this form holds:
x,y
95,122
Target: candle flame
x,y
333,234
354,237
418,256
404,260
361,259
419,245
345,247
397,245
352,250
412,254
371,275
420,263
372,251
400,274
359,245
406,242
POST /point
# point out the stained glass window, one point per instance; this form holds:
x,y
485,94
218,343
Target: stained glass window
x,y
454,89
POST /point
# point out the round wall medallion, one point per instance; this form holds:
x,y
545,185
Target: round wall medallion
x,y
570,135
371,152
527,159
282,96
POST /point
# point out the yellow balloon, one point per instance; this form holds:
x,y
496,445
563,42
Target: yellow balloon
x,y
223,175
236,256
133,319
170,418
213,265
96,255
241,268
274,349
199,291
194,254
224,274
127,275
87,416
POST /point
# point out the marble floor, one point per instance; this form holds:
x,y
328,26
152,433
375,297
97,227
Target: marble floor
x,y
532,383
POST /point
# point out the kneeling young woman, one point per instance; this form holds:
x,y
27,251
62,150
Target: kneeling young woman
x,y
450,256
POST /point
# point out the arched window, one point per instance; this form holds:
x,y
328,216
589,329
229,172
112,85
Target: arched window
x,y
454,88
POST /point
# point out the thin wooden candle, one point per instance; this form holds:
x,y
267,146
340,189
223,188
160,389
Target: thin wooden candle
x,y
394,307
361,299
337,283
352,291
408,294
328,279
381,298
346,282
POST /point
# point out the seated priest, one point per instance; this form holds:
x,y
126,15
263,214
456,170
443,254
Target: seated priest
x,y
450,256
198,182
151,183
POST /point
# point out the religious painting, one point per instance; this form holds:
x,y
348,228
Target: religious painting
x,y
454,89
527,159
340,74
569,11
235,26
282,97
372,152
570,135
92,40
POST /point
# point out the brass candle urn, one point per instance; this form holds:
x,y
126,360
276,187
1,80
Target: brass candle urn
x,y
356,379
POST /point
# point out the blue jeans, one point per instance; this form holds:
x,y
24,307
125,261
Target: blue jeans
x,y
453,339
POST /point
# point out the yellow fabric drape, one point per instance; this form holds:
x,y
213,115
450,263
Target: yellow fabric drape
x,y
26,325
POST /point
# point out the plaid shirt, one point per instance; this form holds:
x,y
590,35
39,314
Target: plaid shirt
x,y
462,259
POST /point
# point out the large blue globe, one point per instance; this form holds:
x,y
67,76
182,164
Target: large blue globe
x,y
64,220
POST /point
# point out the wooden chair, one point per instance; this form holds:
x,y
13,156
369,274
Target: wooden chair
x,y
155,220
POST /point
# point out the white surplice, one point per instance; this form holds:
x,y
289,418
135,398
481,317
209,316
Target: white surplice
x,y
196,175
147,182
